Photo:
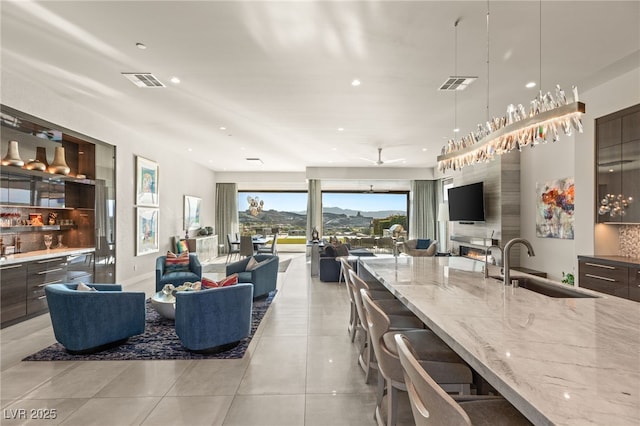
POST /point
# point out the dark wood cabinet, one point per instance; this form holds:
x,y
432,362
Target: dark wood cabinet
x,y
618,162
612,275
13,292
40,273
608,279
634,284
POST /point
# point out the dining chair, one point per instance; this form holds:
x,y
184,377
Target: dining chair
x,y
246,246
270,248
233,248
432,406
443,362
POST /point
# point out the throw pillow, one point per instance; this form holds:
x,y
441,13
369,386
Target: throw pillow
x,y
329,251
207,283
176,262
84,287
182,246
423,244
230,280
341,250
251,264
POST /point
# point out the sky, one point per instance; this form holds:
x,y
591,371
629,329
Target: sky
x,y
297,201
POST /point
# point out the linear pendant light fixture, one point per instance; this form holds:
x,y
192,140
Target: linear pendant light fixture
x,y
548,115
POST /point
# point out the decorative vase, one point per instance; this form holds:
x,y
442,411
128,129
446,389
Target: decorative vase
x,y
13,156
314,234
41,155
59,165
35,165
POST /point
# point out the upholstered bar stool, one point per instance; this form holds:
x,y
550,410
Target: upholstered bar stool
x,y
432,406
451,371
400,318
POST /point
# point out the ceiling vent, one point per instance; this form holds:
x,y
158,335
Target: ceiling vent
x,y
457,83
145,80
255,161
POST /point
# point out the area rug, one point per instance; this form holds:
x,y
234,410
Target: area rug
x,y
221,267
159,341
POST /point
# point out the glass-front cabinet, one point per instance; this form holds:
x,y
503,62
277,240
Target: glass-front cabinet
x,y
618,167
57,212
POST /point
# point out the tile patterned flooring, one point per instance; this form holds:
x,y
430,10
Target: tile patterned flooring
x,y
300,369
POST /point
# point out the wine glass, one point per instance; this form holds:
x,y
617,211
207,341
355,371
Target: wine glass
x,y
48,239
60,245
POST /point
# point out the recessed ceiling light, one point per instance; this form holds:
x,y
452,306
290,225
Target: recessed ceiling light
x,y
175,80
530,84
334,149
424,149
610,170
189,149
141,46
356,82
341,129
456,130
211,161
223,128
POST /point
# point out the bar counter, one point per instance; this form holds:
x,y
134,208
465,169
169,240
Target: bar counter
x,y
560,361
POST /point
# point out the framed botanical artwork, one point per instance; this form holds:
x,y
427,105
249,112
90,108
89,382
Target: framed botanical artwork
x,y
146,182
147,223
191,212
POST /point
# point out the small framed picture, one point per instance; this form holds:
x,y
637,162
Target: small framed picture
x,y
146,183
147,223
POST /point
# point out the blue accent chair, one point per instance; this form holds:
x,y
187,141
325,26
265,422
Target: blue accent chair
x,y
91,321
264,278
177,278
214,319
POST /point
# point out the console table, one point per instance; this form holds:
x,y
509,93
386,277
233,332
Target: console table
x,y
206,247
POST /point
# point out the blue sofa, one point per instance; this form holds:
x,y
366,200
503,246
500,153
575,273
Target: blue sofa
x,y
177,278
264,278
90,321
214,319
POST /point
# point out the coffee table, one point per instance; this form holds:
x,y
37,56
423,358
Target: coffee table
x,y
164,304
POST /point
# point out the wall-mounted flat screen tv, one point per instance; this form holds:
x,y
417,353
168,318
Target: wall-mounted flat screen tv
x,y
466,203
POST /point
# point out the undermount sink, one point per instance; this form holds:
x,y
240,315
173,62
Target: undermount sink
x,y
551,290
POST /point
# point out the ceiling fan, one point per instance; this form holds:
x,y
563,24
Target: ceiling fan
x,y
379,161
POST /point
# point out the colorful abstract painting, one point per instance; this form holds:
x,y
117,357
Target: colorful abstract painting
x,y
555,205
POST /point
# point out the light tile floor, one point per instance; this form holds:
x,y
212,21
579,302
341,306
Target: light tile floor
x,y
300,369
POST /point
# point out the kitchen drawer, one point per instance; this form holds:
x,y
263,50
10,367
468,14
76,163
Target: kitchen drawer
x,y
634,284
605,278
13,291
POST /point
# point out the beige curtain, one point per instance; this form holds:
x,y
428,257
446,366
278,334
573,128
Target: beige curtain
x,y
226,211
423,208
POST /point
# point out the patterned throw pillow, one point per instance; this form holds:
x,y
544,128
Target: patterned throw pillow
x,y
251,264
182,246
230,280
207,283
176,262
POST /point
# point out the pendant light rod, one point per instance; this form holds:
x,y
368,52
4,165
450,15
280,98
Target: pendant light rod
x,y
455,73
488,79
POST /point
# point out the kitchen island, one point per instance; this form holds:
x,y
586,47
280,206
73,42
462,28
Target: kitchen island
x,y
561,361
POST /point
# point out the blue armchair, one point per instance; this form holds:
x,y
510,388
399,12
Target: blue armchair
x,y
91,321
264,277
177,278
214,319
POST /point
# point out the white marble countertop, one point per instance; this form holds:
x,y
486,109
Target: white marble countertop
x,y
559,361
43,254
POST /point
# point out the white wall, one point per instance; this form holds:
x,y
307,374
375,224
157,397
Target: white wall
x,y
572,156
177,176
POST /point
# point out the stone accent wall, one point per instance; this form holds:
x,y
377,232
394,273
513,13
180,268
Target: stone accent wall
x,y
630,240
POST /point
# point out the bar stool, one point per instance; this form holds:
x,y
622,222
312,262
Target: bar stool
x,y
432,406
399,316
450,370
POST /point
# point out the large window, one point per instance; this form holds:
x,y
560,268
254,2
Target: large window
x,y
270,212
363,214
